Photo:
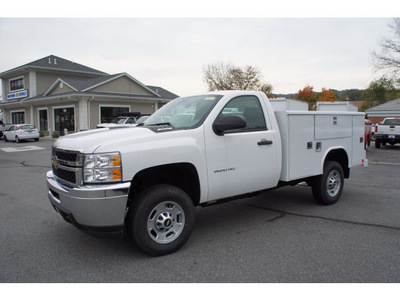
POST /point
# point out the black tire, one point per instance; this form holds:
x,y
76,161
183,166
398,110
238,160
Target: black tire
x,y
377,144
17,139
327,188
37,140
161,219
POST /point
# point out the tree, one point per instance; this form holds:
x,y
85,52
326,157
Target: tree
x,y
380,91
388,58
220,76
307,94
327,95
266,89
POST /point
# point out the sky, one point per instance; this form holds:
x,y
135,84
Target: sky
x,y
171,51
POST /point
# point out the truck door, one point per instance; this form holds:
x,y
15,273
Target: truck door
x,y
242,160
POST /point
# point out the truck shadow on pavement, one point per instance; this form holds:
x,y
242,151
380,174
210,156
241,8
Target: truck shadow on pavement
x,y
228,219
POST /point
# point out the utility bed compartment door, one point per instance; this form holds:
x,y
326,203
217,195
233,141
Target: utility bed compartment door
x,y
332,126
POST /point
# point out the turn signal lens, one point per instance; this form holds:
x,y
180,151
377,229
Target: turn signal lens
x,y
116,160
116,174
102,168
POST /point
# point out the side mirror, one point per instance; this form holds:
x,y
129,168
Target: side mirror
x,y
228,123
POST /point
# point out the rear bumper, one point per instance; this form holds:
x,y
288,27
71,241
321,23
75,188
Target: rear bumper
x,y
395,138
28,136
96,207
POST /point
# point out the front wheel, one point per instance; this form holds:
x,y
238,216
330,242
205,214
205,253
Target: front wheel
x,y
327,188
161,219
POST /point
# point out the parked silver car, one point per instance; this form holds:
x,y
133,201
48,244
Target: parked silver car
x,y
4,127
21,132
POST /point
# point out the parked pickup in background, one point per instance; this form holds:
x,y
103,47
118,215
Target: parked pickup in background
x,y
130,120
199,150
387,132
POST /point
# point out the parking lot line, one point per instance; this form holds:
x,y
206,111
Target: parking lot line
x,y
20,149
384,163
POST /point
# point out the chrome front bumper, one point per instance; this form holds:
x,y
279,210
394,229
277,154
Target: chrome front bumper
x,y
97,207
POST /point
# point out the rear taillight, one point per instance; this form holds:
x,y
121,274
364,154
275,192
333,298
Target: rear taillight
x,y
376,128
34,126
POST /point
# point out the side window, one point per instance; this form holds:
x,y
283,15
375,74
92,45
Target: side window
x,y
130,121
249,107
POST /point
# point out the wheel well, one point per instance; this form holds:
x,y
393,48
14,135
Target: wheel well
x,y
182,175
341,157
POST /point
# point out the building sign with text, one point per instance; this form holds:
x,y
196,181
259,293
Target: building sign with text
x,y
17,95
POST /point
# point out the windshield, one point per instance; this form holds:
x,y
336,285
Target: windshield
x,y
141,119
392,122
187,112
118,121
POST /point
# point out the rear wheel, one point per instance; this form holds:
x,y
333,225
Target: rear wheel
x,y
17,139
327,188
377,143
161,219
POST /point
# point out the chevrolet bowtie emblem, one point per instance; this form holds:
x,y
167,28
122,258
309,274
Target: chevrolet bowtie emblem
x,y
55,162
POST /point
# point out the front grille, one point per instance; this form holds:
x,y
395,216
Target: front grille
x,y
65,175
67,156
67,166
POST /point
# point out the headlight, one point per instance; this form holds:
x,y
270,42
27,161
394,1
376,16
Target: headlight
x,y
102,168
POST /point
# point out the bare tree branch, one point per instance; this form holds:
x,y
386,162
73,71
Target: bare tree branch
x,y
388,58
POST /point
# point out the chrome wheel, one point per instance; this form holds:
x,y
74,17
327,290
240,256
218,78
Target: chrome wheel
x,y
166,222
333,183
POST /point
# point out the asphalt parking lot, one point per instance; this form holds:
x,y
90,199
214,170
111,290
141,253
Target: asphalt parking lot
x,y
278,236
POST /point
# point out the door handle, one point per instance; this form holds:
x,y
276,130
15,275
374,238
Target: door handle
x,y
264,142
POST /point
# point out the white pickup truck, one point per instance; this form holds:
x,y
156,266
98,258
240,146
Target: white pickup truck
x,y
388,131
198,150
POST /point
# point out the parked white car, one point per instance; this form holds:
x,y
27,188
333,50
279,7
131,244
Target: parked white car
x,y
21,132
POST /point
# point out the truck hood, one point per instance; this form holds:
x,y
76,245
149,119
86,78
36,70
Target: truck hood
x,y
101,139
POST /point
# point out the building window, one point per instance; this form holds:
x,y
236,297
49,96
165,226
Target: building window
x,y
18,117
107,114
17,84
